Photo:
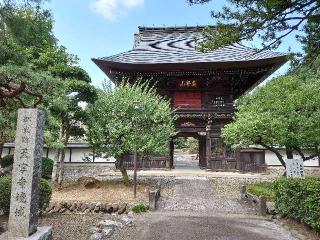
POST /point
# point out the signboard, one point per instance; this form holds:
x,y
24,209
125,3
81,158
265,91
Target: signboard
x,y
187,83
295,168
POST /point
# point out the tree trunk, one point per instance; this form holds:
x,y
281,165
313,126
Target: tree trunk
x,y
123,170
56,163
289,152
61,166
55,169
62,158
1,149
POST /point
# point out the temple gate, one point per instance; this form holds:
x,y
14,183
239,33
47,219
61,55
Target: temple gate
x,y
202,87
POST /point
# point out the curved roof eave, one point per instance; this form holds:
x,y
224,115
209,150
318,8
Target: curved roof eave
x,y
106,65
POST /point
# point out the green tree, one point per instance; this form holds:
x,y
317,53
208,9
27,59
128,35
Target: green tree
x,y
269,20
27,43
284,113
22,87
128,118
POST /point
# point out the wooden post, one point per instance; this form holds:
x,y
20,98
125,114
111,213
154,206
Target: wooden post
x,y
171,143
135,172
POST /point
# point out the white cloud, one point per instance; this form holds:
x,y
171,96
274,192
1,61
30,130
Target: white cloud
x,y
113,9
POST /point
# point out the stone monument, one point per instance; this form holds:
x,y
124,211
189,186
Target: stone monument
x,y
295,168
26,174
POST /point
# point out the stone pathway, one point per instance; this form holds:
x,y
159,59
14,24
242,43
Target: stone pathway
x,y
201,208
199,194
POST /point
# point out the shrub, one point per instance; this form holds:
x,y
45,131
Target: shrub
x,y
47,166
6,161
45,193
299,199
5,193
262,189
139,208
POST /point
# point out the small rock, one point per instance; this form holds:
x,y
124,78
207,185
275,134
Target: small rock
x,y
86,211
96,209
108,231
103,208
69,205
94,230
89,182
115,207
84,207
271,208
91,206
128,220
109,209
122,208
109,223
97,236
73,207
62,210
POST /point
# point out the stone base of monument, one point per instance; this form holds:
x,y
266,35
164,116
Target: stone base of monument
x,y
42,233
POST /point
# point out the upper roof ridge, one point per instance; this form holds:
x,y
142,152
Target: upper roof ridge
x,y
175,28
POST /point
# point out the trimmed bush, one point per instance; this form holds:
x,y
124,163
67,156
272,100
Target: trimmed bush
x,y
6,161
139,208
5,193
299,199
45,193
47,166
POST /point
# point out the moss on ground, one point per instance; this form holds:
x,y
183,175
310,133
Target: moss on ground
x,y
262,188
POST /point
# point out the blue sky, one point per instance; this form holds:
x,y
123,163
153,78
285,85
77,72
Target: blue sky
x,y
98,28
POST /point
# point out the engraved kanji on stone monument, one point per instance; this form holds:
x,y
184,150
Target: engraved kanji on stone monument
x,y
25,190
295,168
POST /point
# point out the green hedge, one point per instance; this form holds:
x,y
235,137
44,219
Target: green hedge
x,y
47,165
5,193
299,199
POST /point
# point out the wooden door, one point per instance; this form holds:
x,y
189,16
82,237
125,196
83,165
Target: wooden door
x,y
222,156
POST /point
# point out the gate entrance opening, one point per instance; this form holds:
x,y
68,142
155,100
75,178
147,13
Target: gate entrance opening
x,y
186,153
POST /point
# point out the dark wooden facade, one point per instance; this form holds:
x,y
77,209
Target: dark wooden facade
x,y
202,87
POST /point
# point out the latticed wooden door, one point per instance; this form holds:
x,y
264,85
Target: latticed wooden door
x,y
222,156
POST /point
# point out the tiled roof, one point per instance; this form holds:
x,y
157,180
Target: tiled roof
x,y
177,45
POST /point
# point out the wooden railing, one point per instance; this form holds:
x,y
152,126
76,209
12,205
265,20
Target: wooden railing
x,y
153,162
222,164
205,107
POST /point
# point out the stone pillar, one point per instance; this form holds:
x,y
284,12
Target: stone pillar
x,y
26,174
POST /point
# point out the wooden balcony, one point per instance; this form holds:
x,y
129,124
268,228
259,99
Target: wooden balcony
x,y
205,108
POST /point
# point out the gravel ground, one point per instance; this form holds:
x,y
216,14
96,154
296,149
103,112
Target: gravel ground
x,y
201,194
108,191
194,208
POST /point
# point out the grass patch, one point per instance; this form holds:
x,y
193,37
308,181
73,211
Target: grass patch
x,y
139,208
262,188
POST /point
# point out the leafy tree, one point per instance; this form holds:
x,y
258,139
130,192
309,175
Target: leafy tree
x,y
269,20
284,113
128,118
29,49
22,87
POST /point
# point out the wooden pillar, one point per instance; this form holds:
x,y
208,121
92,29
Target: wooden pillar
x,y
208,143
171,153
202,151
